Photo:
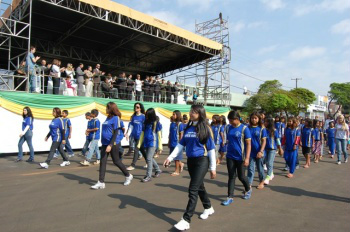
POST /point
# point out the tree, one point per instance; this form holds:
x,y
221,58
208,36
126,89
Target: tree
x,y
302,98
340,93
270,86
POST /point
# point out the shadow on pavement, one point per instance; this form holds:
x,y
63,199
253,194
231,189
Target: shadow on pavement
x,y
81,180
301,192
157,211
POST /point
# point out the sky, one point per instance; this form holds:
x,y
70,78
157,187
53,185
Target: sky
x,y
272,39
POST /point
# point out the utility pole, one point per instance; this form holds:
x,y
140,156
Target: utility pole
x,y
296,81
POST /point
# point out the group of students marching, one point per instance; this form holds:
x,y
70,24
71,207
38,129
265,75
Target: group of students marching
x,y
250,145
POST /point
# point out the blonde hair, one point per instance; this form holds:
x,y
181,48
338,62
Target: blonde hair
x,y
343,124
70,67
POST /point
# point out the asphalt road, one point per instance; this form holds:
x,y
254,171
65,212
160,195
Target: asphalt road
x,y
60,199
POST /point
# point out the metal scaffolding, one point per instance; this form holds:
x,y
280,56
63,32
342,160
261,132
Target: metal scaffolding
x,y
15,27
212,76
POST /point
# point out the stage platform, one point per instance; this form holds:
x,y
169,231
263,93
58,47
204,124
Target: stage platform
x,y
12,103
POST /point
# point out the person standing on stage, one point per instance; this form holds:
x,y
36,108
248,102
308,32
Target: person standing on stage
x,y
175,91
130,87
138,88
26,135
168,92
97,80
151,89
80,79
123,86
162,91
30,63
146,89
111,141
200,151
156,89
57,133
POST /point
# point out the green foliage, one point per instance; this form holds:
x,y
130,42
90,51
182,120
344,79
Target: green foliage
x,y
302,98
270,86
340,92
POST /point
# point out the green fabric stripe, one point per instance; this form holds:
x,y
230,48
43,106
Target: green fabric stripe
x,y
50,101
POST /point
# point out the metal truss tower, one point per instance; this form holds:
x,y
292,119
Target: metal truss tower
x,y
212,76
15,28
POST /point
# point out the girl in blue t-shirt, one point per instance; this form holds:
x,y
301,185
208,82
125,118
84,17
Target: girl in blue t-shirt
x,y
273,143
258,133
26,135
148,143
331,139
200,151
176,132
238,140
317,135
111,138
223,147
307,141
215,127
291,140
134,132
57,133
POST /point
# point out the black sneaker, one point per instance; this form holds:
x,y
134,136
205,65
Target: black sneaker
x,y
18,160
157,174
29,160
146,179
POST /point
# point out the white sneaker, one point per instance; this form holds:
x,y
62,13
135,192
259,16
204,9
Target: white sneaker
x,y
130,168
44,165
182,225
272,176
265,167
70,156
99,185
65,163
207,213
128,180
346,160
85,163
97,162
55,156
286,169
339,162
145,166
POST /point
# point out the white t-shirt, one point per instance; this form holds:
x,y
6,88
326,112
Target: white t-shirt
x,y
138,85
341,134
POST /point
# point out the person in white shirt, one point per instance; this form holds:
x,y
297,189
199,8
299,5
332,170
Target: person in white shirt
x,y
341,138
138,87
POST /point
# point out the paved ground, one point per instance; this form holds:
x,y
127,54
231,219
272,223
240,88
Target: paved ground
x,y
59,199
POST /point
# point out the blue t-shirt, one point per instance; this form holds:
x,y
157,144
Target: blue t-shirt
x,y
137,123
291,135
221,130
67,125
257,134
193,147
236,137
330,133
120,132
306,136
174,133
94,123
271,142
194,97
316,133
27,121
216,133
108,128
56,129
150,134
29,61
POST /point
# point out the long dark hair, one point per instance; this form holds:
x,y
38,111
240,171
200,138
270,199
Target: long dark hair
x,y
234,115
29,113
151,117
141,107
223,120
215,118
270,127
57,112
257,115
202,128
178,116
112,110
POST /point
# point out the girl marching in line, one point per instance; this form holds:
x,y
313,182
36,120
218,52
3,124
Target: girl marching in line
x,y
237,156
222,138
273,143
26,135
135,130
111,138
200,150
175,135
291,140
216,129
331,139
258,135
147,144
307,141
57,133
318,138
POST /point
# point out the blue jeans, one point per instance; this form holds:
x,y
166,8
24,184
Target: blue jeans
x,y
68,147
32,82
270,158
27,137
150,161
92,149
85,147
341,147
251,169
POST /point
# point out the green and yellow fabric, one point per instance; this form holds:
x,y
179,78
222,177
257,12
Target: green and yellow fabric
x,y
42,105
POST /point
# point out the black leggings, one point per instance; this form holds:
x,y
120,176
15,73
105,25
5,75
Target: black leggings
x,y
198,168
54,147
116,160
232,166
